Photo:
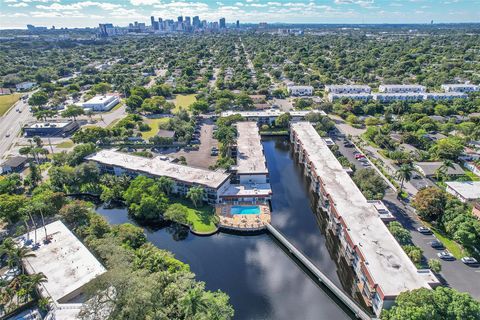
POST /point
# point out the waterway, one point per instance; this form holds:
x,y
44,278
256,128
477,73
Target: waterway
x,y
261,280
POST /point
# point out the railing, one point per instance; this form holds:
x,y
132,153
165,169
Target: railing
x,y
342,296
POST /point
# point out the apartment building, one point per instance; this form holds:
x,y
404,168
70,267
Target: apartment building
x,y
445,95
381,267
184,177
460,87
356,88
353,96
269,116
404,96
401,88
300,90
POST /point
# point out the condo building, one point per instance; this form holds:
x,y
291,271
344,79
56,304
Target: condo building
x,y
445,95
353,96
268,116
381,267
184,177
404,96
355,88
300,90
401,88
460,87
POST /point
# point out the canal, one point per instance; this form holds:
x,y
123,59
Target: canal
x,y
261,280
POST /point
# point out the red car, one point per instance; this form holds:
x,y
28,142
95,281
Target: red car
x,y
358,156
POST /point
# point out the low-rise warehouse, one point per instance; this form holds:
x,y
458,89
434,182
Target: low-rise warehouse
x,y
101,103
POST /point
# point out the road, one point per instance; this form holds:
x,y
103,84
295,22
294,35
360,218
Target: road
x,y
11,123
454,273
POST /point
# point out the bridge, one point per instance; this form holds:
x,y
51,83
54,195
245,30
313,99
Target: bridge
x,y
339,293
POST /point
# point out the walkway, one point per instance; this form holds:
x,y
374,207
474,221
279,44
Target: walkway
x,y
357,310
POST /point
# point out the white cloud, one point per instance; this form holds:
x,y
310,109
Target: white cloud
x,y
18,5
79,6
144,2
9,1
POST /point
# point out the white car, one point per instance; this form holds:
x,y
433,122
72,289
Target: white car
x,y
445,255
469,260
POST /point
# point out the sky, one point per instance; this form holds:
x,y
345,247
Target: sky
x,y
88,13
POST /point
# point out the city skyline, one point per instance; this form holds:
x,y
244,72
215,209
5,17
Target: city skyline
x,y
88,13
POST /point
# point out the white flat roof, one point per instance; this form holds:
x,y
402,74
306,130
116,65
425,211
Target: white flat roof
x,y
401,86
158,167
469,190
47,125
399,94
351,95
459,85
270,113
351,86
250,157
387,263
101,99
246,190
65,261
446,94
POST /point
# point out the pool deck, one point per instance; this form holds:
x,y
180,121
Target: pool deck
x,y
243,222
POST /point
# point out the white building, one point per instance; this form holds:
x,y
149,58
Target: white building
x,y
101,103
381,267
460,87
27,85
68,265
353,96
445,95
348,88
269,116
300,90
401,88
213,182
466,191
405,96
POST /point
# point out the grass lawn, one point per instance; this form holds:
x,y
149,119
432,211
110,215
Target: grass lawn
x,y
7,101
453,247
183,101
202,219
154,126
65,144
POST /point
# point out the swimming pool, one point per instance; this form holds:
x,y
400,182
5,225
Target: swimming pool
x,y
245,210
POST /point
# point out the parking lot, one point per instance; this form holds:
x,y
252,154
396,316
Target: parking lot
x,y
201,157
454,273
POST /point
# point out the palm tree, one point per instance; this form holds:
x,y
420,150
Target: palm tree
x,y
166,184
442,171
193,303
36,280
195,194
405,173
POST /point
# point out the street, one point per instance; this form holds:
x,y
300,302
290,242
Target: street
x,y
10,125
454,273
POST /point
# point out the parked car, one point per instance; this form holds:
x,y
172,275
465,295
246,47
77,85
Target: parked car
x,y
214,153
469,260
445,255
358,156
437,245
424,230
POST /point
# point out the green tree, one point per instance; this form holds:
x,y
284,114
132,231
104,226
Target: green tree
x,y
440,303
10,205
448,148
435,265
370,183
130,235
38,99
402,235
413,252
404,174
177,212
73,111
101,88
134,102
430,203
283,120
75,213
195,194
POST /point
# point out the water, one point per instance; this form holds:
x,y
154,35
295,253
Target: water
x,y
261,280
245,210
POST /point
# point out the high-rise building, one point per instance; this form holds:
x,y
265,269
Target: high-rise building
x,y
187,21
238,24
152,20
180,19
222,23
106,29
196,22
